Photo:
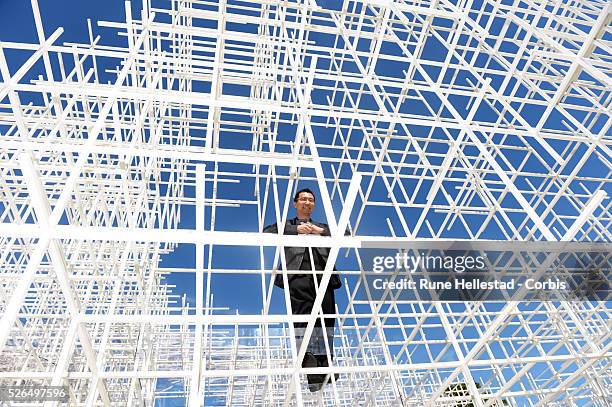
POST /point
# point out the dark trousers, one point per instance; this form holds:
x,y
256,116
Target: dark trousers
x,y
303,293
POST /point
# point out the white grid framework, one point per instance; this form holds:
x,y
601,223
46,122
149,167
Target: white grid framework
x,y
443,119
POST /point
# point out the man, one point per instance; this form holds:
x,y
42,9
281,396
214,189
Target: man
x,y
302,290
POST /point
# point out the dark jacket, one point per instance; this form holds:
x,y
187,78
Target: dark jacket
x,y
295,255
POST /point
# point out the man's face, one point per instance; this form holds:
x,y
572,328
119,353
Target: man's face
x,y
304,205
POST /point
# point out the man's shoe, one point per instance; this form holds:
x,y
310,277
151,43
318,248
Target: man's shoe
x,y
315,387
315,380
310,360
324,362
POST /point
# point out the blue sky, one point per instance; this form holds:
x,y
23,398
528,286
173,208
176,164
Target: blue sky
x,y
240,292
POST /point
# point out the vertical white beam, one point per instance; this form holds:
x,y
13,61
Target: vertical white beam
x,y
212,126
198,355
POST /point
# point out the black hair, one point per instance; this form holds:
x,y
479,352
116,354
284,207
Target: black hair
x,y
297,194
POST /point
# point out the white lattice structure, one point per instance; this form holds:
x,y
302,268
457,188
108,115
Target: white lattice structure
x,y
415,119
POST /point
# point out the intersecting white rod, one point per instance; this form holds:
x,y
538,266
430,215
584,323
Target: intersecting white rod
x,y
42,210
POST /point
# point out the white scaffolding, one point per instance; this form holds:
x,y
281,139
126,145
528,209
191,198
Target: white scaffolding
x,y
468,119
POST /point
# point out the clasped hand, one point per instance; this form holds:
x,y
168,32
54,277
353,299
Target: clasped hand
x,y
309,228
